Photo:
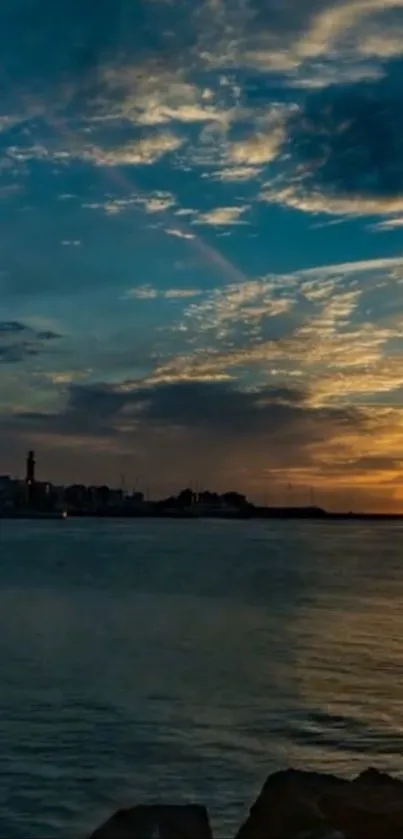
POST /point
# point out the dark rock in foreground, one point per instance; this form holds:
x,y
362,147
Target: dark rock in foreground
x,y
291,805
371,806
304,805
152,821
288,806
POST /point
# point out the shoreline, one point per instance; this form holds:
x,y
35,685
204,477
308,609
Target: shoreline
x,y
264,515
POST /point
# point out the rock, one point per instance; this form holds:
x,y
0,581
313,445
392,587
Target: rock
x,y
291,805
370,806
319,834
163,821
288,807
373,776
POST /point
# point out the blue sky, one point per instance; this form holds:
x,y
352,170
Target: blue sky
x,y
201,210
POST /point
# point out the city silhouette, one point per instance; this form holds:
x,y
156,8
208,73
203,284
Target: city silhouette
x,y
29,497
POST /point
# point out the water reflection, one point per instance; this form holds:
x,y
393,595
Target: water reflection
x,y
349,665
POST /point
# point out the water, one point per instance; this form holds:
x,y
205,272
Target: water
x,y
171,661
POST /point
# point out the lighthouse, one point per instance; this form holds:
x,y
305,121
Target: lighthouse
x,y
30,469
30,477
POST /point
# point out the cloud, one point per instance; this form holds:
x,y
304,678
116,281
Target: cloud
x,y
160,202
376,266
48,335
327,74
19,342
141,152
152,203
197,407
148,292
318,202
324,326
331,25
180,234
361,383
264,145
234,174
11,327
39,151
185,211
323,44
228,436
303,45
222,216
389,224
183,100
178,293
144,292
156,95
67,376
382,43
255,150
343,153
219,407
112,206
248,304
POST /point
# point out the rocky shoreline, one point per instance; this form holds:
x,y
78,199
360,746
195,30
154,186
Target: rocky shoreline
x,y
292,805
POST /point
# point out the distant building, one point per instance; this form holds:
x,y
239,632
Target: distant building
x,y
234,499
6,490
186,498
12,492
5,482
135,499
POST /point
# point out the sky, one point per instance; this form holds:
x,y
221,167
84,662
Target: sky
x,y
201,231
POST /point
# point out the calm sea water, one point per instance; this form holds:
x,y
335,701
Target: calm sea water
x,y
172,661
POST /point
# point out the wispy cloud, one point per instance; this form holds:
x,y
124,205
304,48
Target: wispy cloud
x,y
19,342
299,198
389,224
179,234
234,174
222,216
111,206
161,97
144,292
152,203
264,145
143,151
157,203
331,25
248,304
326,334
255,150
179,293
148,292
376,266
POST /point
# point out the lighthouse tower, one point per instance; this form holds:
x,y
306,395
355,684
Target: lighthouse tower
x,y
30,476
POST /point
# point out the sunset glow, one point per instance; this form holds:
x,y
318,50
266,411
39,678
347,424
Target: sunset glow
x,y
201,270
